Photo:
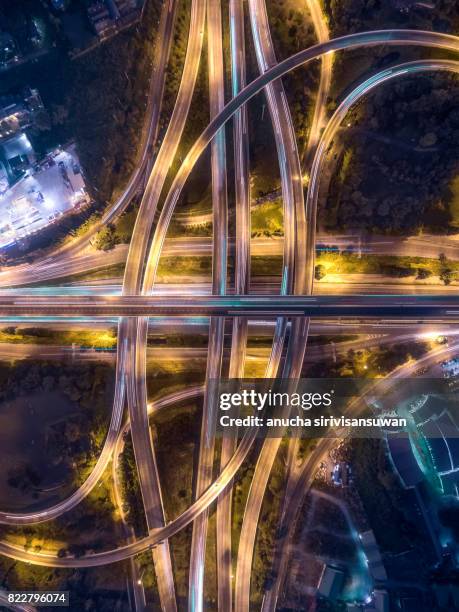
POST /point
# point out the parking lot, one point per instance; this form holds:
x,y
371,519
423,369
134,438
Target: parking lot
x,y
49,190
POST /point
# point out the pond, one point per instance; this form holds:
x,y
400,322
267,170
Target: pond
x,y
33,475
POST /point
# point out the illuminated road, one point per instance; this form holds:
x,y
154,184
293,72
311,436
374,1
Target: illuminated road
x,y
304,477
389,37
264,285
270,602
242,281
66,259
270,599
145,218
413,246
333,125
136,330
167,19
426,306
154,538
138,592
287,152
163,353
146,465
131,306
125,552
169,400
293,281
350,41
59,268
200,325
318,120
410,246
216,325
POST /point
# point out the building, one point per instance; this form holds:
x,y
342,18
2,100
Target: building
x,y
100,18
34,193
437,445
342,474
18,113
403,460
447,596
49,189
331,582
110,16
17,155
450,368
9,51
432,451
59,5
371,550
379,603
381,600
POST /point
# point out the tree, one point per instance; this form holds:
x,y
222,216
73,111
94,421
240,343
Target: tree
x,y
382,150
59,115
106,239
446,276
42,121
428,140
423,273
446,273
319,272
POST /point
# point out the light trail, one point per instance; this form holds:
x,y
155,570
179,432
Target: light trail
x,y
146,543
136,330
352,305
242,283
216,325
397,306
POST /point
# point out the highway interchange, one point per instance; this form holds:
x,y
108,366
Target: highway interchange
x,y
138,301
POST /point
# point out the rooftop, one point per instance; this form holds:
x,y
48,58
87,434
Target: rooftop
x,y
331,582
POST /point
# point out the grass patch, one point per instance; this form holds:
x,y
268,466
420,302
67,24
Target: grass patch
x,y
175,436
176,266
333,263
42,335
388,265
454,203
268,219
326,339
267,530
369,363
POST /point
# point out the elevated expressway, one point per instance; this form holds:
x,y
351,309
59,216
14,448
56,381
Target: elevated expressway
x,y
132,332
46,559
409,68
294,213
219,282
392,37
410,306
239,305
